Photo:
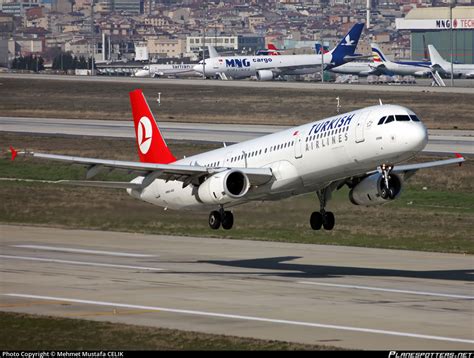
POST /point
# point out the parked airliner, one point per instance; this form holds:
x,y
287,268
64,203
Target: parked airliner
x,y
362,149
404,68
155,70
444,67
266,68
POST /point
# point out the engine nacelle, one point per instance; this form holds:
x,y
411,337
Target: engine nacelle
x,y
224,187
265,75
369,190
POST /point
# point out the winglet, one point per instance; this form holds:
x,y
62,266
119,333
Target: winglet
x,y
14,153
459,156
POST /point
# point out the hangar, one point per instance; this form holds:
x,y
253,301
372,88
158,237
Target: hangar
x,y
434,25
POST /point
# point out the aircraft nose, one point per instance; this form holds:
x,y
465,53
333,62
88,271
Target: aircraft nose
x,y
418,136
198,68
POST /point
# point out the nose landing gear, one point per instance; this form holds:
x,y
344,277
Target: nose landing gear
x,y
387,191
221,217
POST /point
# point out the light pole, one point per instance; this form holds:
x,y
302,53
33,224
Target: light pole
x,y
322,60
93,38
452,3
204,44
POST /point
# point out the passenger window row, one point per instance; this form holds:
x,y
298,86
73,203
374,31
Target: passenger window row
x,y
398,118
273,148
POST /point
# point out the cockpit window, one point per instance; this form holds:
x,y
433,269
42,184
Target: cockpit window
x,y
389,119
381,120
414,118
403,118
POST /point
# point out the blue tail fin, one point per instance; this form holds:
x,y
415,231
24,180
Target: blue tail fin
x,y
347,46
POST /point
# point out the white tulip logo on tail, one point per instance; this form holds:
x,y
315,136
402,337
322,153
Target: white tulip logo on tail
x,y
145,131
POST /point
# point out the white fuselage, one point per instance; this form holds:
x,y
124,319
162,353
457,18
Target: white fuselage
x,y
304,158
459,70
247,66
355,68
183,69
404,69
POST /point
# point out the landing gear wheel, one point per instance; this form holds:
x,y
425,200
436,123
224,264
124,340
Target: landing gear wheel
x,y
328,220
316,220
214,220
384,193
227,220
391,193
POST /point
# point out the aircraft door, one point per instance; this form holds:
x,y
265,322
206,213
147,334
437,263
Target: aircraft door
x,y
298,145
359,131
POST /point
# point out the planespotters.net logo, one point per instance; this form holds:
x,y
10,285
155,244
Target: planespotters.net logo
x,y
447,354
145,134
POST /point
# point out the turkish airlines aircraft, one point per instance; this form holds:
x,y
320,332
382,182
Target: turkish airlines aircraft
x,y
361,149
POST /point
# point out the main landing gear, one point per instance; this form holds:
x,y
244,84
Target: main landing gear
x,y
221,217
387,191
322,218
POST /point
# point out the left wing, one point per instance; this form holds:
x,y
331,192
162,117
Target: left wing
x,y
188,174
410,169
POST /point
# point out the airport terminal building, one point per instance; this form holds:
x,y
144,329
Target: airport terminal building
x,y
433,26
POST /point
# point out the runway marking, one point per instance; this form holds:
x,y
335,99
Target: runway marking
x,y
83,263
81,251
247,318
421,293
10,305
109,313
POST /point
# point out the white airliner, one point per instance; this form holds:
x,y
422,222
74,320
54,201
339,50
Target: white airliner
x,y
361,149
403,68
155,70
442,66
357,68
266,68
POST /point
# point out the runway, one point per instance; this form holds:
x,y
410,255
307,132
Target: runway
x,y
339,296
462,86
440,141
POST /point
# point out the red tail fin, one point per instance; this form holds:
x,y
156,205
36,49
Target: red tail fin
x,y
151,146
14,153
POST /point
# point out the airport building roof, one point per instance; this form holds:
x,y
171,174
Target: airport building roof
x,y
461,12
437,18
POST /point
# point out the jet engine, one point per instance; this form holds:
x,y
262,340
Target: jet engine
x,y
265,75
372,191
224,187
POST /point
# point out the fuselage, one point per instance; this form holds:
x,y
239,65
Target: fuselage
x,y
247,66
406,68
305,158
459,70
166,70
355,68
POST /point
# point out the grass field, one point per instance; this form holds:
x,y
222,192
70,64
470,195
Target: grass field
x,y
98,100
434,213
22,332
